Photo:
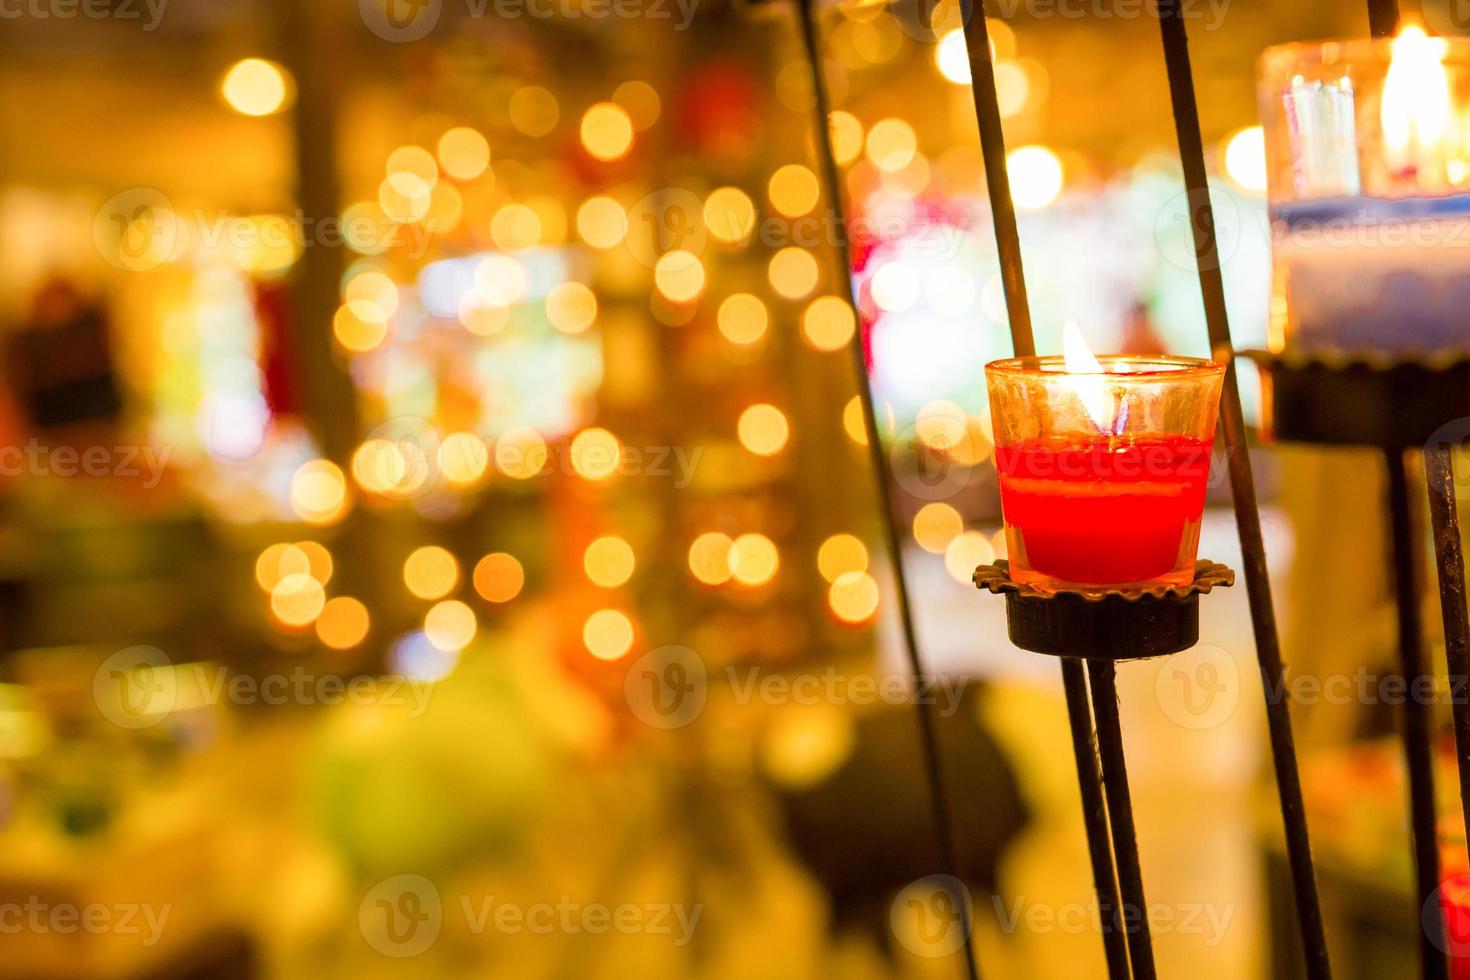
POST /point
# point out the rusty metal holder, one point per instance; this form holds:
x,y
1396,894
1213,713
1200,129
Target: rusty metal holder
x,y
1396,404
1104,624
1333,398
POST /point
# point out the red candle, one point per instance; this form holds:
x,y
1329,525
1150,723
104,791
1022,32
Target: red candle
x,y
1098,513
1103,465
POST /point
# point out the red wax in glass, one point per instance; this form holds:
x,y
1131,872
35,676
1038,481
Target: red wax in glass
x,y
1103,512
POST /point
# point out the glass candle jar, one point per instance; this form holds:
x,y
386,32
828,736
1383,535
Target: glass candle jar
x,y
1103,473
1368,176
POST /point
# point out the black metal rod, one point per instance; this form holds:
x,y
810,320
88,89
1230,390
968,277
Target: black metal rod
x,y
1418,724
1243,493
926,713
998,183
1103,676
1095,816
1444,521
1383,17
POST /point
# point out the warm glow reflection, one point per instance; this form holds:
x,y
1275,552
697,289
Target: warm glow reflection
x,y
450,625
256,87
464,153
709,558
602,222
753,559
596,454
793,190
936,525
853,597
763,429
607,131
430,572
499,577
679,275
793,272
828,323
297,600
463,458
609,561
729,214
319,492
343,623
571,307
966,552
521,453
1036,176
841,553
743,319
608,634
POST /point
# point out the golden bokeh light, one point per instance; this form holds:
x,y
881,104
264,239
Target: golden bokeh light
x,y
256,87
679,275
743,319
412,170
641,101
608,634
828,323
571,307
499,577
297,600
481,318
793,190
319,492
729,214
343,623
464,153
891,145
965,552
533,110
936,525
500,280
319,560
381,466
515,228
607,131
1245,158
941,425
753,559
372,289
1036,177
359,327
763,429
894,287
278,561
609,561
405,207
793,273
602,222
847,137
450,625
521,453
596,454
709,558
463,458
430,572
853,597
841,553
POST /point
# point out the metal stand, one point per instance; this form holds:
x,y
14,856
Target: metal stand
x,y
1396,405
1102,627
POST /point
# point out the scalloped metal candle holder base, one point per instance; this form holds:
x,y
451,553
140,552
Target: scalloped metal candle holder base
x,y
1104,624
1347,399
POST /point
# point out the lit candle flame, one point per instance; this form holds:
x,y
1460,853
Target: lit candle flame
x,y
1416,112
1089,385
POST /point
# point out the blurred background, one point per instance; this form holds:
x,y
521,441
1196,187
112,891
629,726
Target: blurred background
x,y
437,535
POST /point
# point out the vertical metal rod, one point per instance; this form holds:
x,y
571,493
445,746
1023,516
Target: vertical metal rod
x,y
1120,815
928,729
1418,724
1243,492
998,182
1444,521
1095,817
1383,17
